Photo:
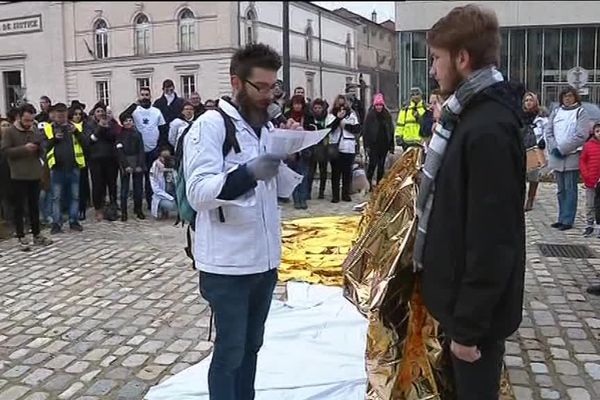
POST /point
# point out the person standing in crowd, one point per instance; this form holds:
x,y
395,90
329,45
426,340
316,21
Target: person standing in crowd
x,y
470,241
378,138
432,115
77,116
44,115
102,162
567,130
345,127
318,158
279,96
236,199
533,122
409,120
148,121
179,124
163,177
355,103
5,200
589,166
169,104
299,161
22,145
196,101
65,158
132,159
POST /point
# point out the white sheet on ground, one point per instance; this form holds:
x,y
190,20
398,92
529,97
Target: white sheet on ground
x,y
314,350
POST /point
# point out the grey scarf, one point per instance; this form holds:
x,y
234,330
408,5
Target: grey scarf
x,y
442,133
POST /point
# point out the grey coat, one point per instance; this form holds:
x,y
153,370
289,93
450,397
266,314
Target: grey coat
x,y
571,144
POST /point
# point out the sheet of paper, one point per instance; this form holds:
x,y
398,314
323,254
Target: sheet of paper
x,y
287,141
287,180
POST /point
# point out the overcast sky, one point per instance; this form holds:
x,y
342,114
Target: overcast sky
x,y
385,9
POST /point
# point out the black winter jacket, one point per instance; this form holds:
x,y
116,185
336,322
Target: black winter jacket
x,y
378,132
130,149
474,259
104,145
169,111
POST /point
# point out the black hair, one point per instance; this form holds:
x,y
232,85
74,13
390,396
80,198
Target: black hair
x,y
167,83
256,55
145,88
568,90
26,108
13,114
298,87
47,99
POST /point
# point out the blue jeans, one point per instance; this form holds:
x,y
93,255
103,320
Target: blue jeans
x,y
67,181
567,196
301,192
46,206
167,206
240,305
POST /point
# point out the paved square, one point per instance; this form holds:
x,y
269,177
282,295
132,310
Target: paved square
x,y
107,313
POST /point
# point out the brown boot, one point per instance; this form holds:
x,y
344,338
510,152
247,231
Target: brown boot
x,y
99,216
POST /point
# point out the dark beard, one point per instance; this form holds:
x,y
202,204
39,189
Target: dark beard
x,y
254,115
145,103
457,79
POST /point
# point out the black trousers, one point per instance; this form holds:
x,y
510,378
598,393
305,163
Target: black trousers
x,y
84,189
138,192
479,380
322,165
376,162
341,167
26,192
104,176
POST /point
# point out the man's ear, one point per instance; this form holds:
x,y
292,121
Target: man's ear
x,y
463,62
236,83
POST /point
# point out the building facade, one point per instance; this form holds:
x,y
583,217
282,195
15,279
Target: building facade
x,y
106,51
541,42
377,50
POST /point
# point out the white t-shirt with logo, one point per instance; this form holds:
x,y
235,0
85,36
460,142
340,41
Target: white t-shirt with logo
x,y
147,121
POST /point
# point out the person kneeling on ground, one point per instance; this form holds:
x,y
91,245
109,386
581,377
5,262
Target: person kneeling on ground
x,y
162,179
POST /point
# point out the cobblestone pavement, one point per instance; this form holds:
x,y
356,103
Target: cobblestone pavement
x,y
108,313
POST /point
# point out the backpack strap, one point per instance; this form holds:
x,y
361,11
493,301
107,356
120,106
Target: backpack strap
x,y
179,146
231,141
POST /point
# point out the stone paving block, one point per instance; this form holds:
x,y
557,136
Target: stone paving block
x,y
38,396
101,387
578,394
37,376
59,382
132,390
77,367
13,393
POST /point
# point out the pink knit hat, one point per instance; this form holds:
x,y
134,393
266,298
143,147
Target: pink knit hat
x,y
378,99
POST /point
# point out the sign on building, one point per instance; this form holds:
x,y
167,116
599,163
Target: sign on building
x,y
12,26
577,77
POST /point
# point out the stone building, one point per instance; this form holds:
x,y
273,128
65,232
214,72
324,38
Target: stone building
x,y
106,51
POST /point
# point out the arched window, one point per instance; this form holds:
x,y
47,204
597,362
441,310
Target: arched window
x,y
101,38
309,44
250,26
186,30
348,50
142,35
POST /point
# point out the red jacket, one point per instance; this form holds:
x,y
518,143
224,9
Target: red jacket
x,y
589,163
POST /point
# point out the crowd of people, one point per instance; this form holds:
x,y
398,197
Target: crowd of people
x,y
70,158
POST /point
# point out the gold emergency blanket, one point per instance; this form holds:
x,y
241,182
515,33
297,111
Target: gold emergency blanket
x,y
315,248
404,356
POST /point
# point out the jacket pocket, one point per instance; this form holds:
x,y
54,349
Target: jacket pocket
x,y
234,237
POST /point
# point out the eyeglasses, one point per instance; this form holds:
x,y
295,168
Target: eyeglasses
x,y
262,88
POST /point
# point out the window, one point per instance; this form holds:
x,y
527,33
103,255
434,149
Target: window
x,y
250,27
14,91
419,45
142,82
310,85
186,30
504,39
348,50
101,38
517,55
551,54
188,85
419,61
309,44
380,35
142,35
103,92
534,59
587,45
568,58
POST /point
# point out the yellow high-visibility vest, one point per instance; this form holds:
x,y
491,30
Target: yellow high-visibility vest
x,y
77,150
407,126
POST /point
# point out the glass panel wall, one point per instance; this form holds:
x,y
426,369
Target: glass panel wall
x,y
540,57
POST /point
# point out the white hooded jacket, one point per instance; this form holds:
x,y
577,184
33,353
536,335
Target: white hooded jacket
x,y
249,239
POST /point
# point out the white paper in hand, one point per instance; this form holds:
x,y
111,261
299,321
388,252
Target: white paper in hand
x,y
290,141
287,180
